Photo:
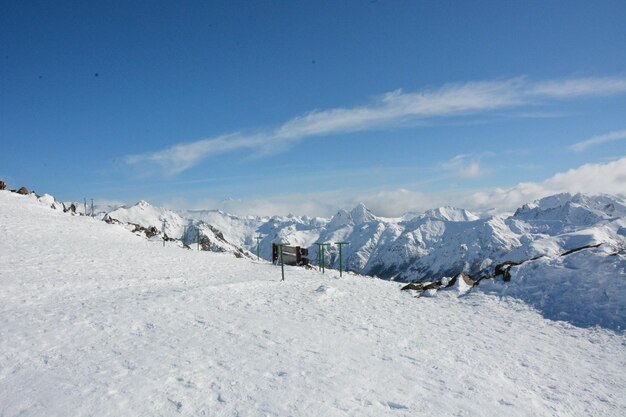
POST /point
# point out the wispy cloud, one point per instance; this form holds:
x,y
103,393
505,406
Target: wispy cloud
x,y
466,167
390,110
598,140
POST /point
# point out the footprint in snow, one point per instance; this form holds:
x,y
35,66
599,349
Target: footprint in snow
x,y
177,404
396,406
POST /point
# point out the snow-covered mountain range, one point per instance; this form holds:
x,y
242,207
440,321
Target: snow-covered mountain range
x,y
415,247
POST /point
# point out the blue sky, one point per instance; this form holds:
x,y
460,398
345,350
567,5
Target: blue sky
x,y
305,107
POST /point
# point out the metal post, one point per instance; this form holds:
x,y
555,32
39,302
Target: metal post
x,y
321,252
85,206
282,262
92,213
198,237
258,238
319,255
340,244
163,230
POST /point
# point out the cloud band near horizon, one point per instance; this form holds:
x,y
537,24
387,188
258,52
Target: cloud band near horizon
x,y
393,108
593,179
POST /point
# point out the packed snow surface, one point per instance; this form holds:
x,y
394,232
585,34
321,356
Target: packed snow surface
x,y
95,320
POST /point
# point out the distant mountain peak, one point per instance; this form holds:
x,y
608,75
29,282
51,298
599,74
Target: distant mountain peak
x,y
361,214
451,214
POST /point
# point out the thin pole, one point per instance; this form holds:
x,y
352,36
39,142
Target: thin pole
x,y
322,253
92,213
340,244
319,257
198,238
258,238
85,206
282,262
163,229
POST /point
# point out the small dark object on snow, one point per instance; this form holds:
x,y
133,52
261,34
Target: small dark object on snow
x,y
71,208
3,186
23,191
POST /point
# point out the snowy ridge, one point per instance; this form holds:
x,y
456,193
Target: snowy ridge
x,y
159,222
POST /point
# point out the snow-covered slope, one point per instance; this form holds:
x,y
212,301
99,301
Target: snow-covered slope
x,y
97,321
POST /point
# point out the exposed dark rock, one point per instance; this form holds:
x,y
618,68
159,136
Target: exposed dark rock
x,y
467,279
71,208
23,191
416,286
205,243
504,269
423,286
569,252
450,283
149,232
110,220
3,186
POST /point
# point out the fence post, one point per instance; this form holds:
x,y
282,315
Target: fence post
x,y
282,262
321,255
163,229
258,238
340,244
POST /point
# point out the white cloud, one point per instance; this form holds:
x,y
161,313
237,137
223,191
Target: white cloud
x,y
608,178
465,167
579,87
391,109
598,140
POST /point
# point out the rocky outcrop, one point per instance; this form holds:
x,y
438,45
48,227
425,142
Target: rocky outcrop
x,y
501,270
3,186
434,285
569,252
69,209
110,220
23,191
148,231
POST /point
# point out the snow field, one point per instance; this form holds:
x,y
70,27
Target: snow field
x,y
97,321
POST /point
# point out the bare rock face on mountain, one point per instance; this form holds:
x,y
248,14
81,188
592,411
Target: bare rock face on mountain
x,y
23,191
